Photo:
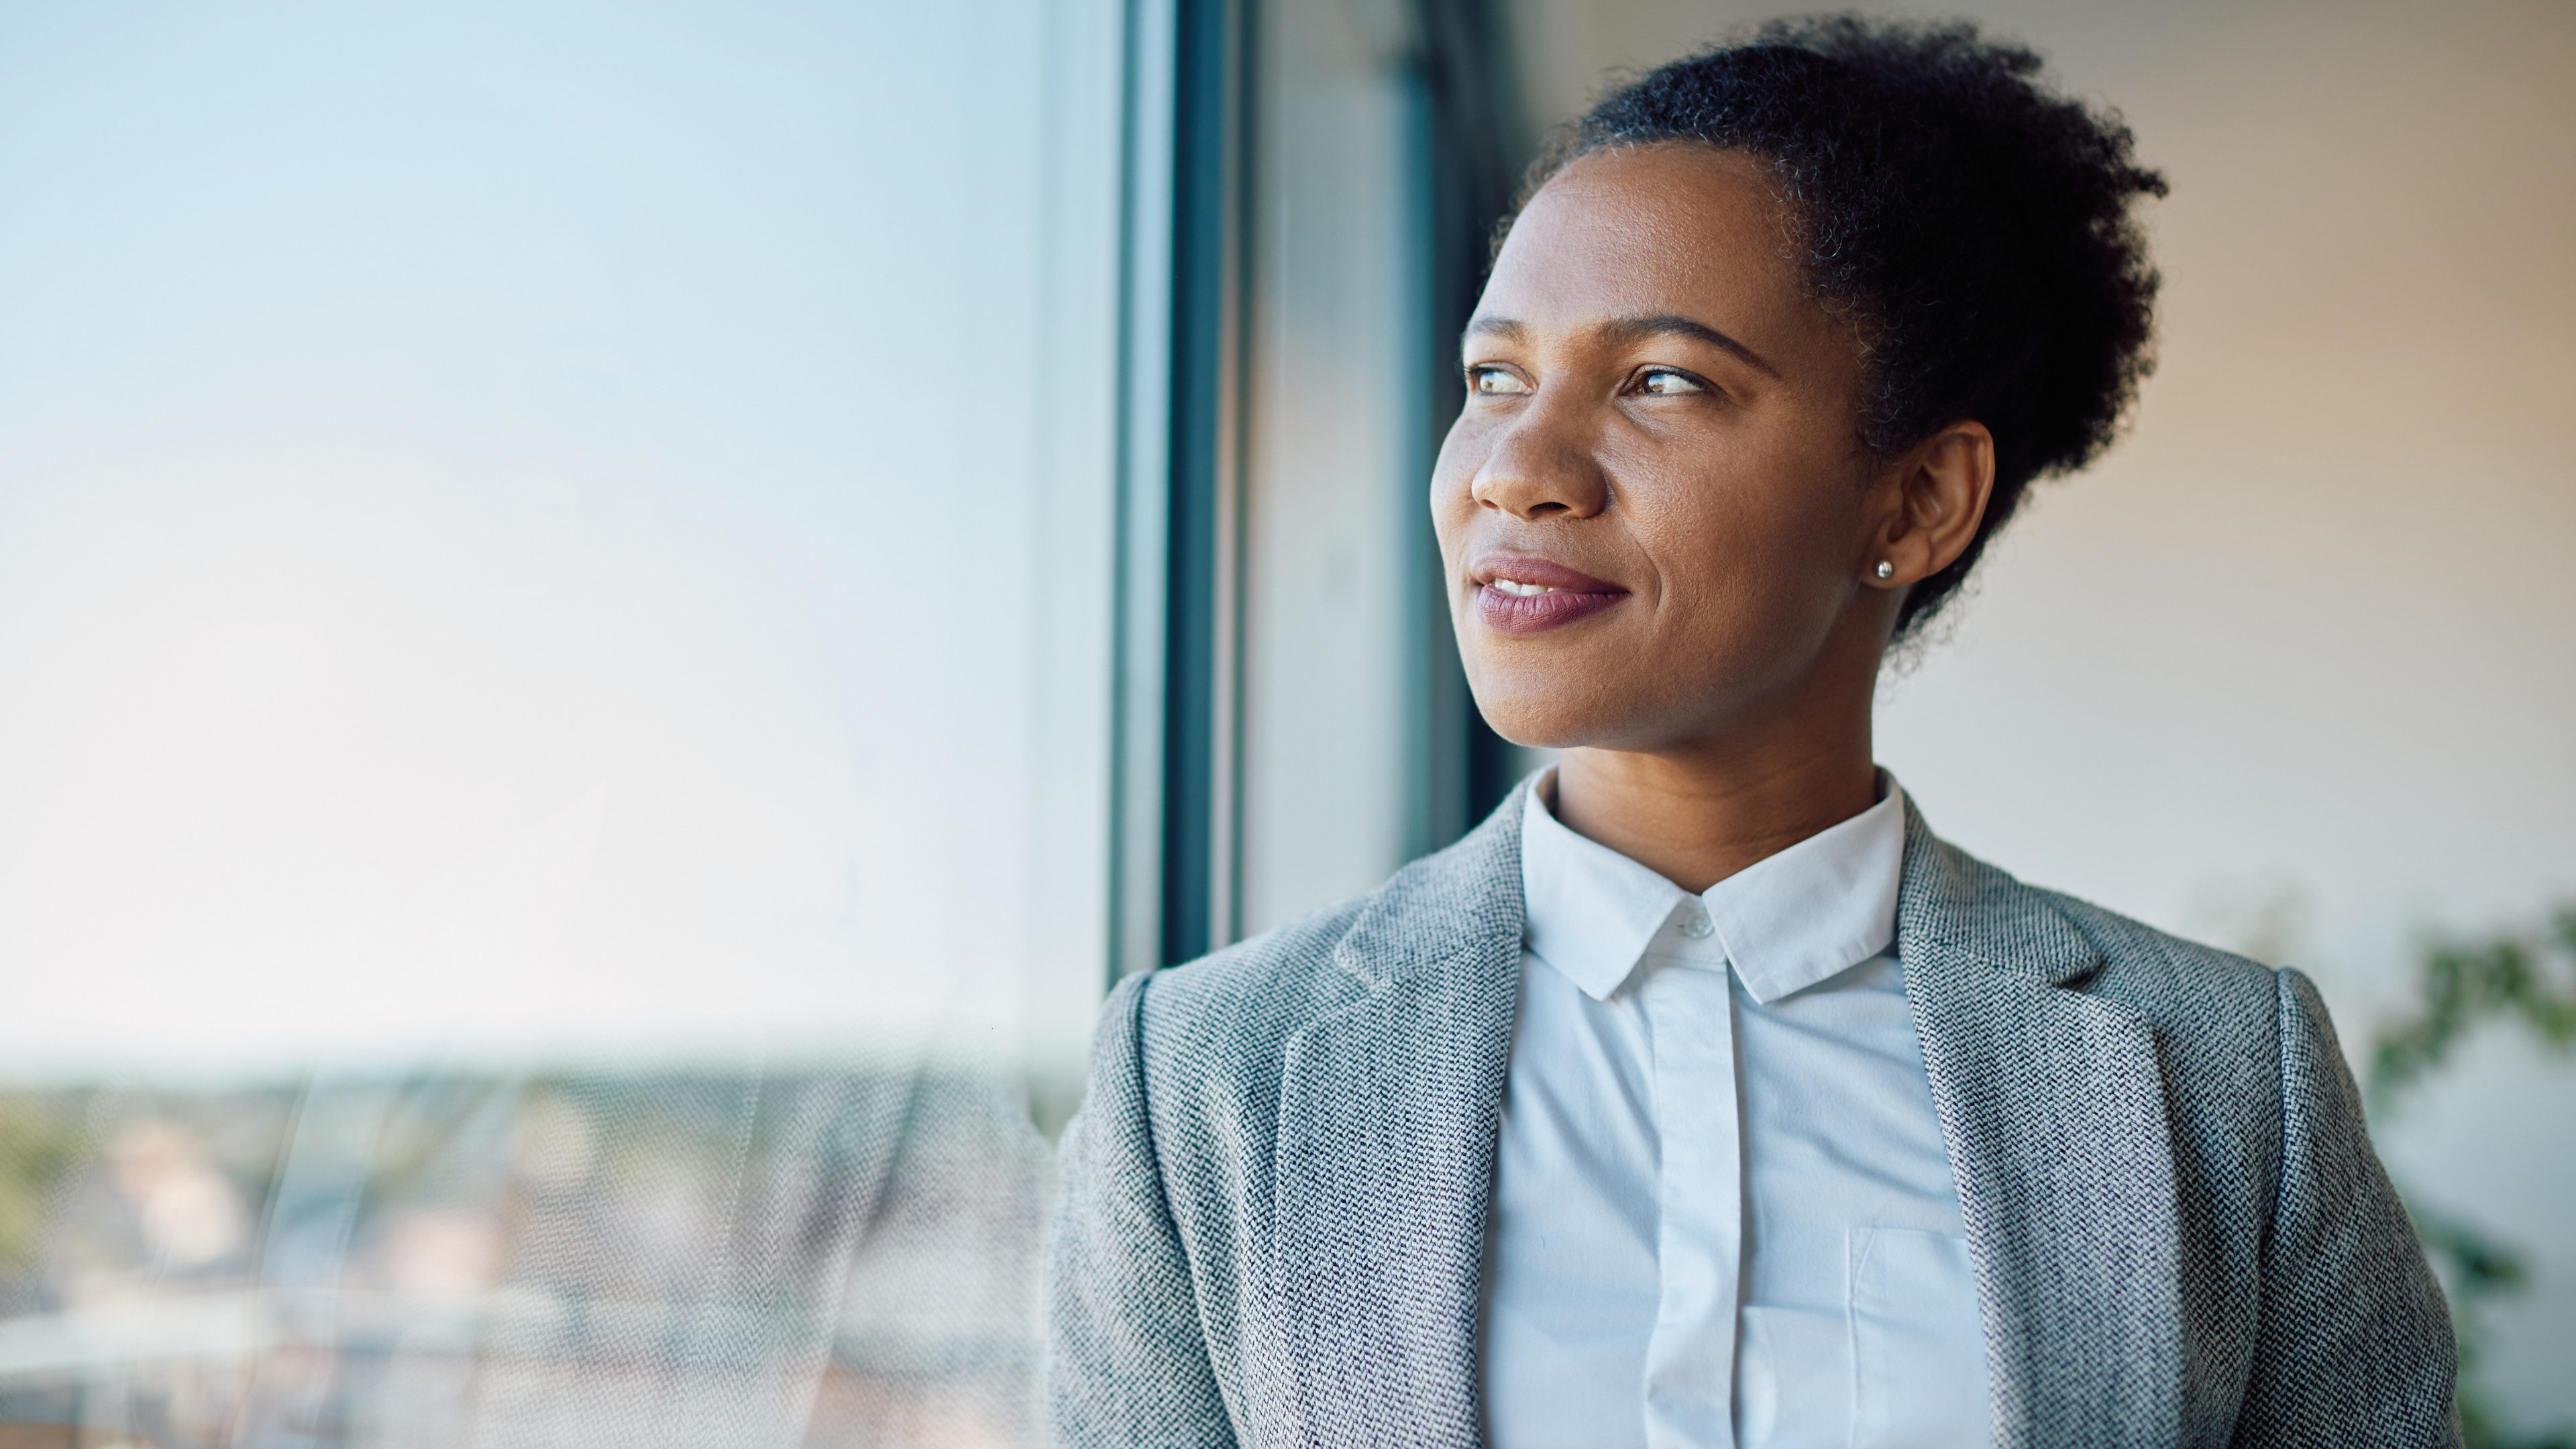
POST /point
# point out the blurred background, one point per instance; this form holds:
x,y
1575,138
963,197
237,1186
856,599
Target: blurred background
x,y
614,620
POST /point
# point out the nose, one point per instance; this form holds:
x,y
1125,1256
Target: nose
x,y
1540,468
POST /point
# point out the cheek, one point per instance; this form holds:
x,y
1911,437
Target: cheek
x,y
1750,554
1453,502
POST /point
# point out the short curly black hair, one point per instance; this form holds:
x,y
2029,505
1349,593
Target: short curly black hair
x,y
1972,225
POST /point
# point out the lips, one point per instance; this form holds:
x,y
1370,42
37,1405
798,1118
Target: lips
x,y
1525,594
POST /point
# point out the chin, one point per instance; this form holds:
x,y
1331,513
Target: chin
x,y
1543,713
1535,731
1563,705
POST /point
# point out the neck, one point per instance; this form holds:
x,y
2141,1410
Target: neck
x,y
1699,812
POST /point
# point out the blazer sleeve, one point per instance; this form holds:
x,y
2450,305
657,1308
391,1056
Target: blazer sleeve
x,y
1126,1361
2354,1344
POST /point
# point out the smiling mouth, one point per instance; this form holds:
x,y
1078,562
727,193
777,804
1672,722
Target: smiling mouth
x,y
1522,595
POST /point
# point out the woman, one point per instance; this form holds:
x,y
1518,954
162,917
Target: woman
x,y
1703,1095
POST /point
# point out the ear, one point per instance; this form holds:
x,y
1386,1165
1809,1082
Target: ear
x,y
1934,497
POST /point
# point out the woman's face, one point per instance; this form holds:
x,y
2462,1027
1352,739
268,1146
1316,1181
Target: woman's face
x,y
1654,513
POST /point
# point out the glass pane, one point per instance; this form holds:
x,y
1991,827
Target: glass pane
x,y
554,644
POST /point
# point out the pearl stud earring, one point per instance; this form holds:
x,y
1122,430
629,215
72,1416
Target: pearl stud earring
x,y
1885,569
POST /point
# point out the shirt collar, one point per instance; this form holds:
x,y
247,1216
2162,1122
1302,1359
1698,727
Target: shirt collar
x,y
1785,922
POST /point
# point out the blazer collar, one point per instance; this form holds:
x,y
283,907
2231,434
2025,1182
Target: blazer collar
x,y
1954,906
2053,1105
1390,1108
1454,903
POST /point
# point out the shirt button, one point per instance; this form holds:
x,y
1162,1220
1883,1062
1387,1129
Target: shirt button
x,y
1697,925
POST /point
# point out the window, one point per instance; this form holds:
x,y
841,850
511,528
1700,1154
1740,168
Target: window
x,y
558,631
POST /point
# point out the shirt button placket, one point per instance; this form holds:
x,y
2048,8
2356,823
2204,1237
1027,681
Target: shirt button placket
x,y
1690,1359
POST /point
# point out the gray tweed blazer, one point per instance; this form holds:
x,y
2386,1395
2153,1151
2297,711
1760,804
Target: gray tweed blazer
x,y
1271,1219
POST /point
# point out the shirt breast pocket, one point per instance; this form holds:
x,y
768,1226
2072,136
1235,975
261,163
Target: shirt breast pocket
x,y
1918,1353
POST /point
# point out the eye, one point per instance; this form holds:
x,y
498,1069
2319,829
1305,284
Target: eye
x,y
1666,382
1494,381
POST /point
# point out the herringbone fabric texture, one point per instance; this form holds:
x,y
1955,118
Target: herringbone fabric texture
x,y
1272,1212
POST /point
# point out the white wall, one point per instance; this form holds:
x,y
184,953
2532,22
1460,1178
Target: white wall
x,y
2304,647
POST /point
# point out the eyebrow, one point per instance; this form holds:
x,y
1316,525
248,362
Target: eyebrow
x,y
1635,329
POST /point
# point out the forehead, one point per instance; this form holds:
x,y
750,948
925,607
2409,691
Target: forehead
x,y
1648,230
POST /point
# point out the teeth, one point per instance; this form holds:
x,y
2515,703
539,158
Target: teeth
x,y
1519,590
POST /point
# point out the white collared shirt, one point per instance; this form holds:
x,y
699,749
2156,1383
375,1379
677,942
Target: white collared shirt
x,y
1724,1215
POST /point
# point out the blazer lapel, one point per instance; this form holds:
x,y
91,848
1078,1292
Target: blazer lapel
x,y
2053,1106
1388,1118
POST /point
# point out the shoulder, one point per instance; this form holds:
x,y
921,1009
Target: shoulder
x,y
2233,1031
2179,984
2181,988
1253,994
1240,1006
1187,1058
2224,1054
2228,1030
2218,1020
